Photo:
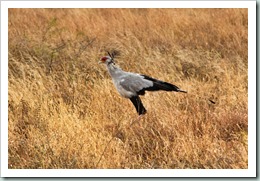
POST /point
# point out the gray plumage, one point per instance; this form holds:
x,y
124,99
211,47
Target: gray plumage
x,y
131,85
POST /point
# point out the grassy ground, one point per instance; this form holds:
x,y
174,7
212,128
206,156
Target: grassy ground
x,y
64,111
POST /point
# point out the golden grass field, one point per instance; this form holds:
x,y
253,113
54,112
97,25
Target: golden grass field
x,y
64,111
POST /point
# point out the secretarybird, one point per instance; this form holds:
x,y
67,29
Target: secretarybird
x,y
131,85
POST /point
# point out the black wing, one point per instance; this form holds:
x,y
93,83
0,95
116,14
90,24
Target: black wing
x,y
138,105
159,85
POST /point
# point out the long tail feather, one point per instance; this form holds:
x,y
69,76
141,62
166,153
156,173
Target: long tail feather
x,y
160,85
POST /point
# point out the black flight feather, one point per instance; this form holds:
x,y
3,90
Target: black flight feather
x,y
159,85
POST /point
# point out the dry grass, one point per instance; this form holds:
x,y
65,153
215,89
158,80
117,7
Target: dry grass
x,y
63,108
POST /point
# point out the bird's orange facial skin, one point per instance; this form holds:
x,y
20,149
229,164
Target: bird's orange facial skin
x,y
103,59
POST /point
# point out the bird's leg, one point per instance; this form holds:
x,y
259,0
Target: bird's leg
x,y
119,133
137,119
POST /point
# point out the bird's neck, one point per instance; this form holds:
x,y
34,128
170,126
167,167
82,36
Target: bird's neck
x,y
113,69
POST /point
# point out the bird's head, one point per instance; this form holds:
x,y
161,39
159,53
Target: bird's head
x,y
107,59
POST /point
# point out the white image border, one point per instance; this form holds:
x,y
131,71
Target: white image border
x,y
250,172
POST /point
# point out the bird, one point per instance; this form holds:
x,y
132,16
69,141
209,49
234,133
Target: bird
x,y
131,85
